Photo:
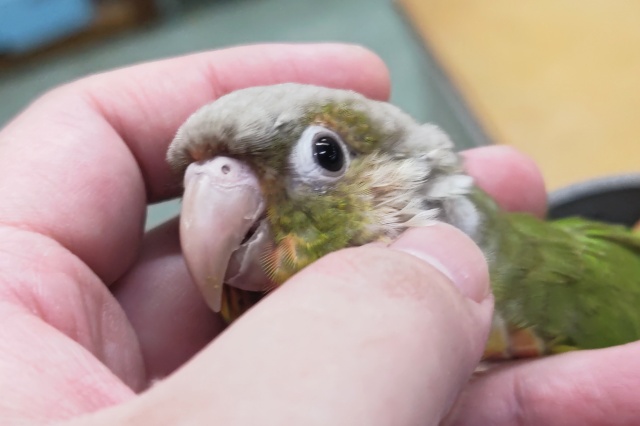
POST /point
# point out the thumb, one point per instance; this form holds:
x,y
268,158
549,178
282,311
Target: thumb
x,y
369,335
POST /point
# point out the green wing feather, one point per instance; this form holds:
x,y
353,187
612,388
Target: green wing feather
x,y
574,282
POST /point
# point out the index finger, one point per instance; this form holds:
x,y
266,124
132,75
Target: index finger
x,y
80,164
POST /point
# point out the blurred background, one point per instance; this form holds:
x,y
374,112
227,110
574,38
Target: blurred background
x,y
557,79
44,43
90,36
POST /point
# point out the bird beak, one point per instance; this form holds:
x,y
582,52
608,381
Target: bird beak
x,y
221,208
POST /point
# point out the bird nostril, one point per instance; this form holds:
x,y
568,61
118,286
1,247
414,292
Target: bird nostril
x,y
221,171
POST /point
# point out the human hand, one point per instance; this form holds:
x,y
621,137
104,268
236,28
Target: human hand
x,y
82,163
93,310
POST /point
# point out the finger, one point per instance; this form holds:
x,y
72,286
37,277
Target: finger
x,y
66,347
83,160
146,104
366,335
163,305
509,176
580,388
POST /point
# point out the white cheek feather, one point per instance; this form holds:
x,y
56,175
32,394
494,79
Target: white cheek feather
x,y
457,209
446,186
449,186
462,213
410,192
424,218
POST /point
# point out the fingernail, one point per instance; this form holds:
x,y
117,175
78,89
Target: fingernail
x,y
451,252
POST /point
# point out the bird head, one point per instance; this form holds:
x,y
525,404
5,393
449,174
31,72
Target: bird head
x,y
277,176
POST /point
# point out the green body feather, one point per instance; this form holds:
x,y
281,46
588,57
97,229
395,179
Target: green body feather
x,y
575,282
306,229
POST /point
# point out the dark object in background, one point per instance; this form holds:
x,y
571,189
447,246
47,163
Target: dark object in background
x,y
614,199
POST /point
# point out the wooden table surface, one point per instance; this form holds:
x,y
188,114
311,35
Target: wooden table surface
x,y
558,79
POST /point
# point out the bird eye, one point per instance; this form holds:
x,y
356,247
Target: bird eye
x,y
319,156
328,153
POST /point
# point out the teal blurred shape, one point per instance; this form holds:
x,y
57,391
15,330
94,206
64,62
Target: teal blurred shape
x,y
29,24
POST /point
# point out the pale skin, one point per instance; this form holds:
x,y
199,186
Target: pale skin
x,y
92,310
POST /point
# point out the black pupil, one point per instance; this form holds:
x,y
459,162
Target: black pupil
x,y
328,153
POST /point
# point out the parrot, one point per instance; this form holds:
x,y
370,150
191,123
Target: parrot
x,y
318,169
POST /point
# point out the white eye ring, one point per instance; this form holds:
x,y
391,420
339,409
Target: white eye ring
x,y
306,159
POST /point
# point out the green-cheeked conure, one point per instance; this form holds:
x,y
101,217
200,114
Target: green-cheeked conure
x,y
318,169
